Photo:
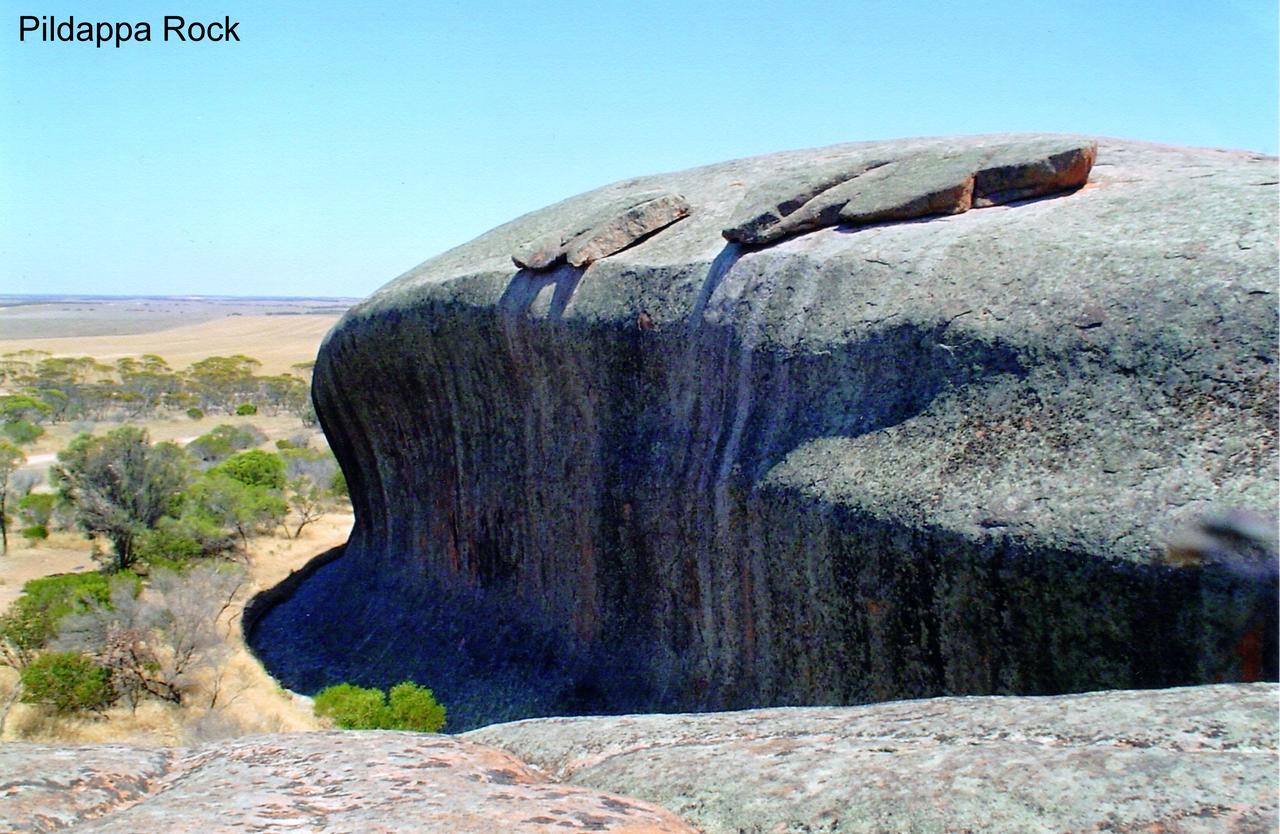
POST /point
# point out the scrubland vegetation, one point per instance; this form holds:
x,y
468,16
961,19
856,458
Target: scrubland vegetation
x,y
147,646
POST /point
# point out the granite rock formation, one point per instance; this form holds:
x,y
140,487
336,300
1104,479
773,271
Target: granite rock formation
x,y
1181,761
943,455
1199,760
368,782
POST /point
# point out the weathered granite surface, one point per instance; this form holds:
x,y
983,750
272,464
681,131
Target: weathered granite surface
x,y
928,457
1177,761
335,781
602,231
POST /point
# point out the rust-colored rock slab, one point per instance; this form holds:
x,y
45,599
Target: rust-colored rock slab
x,y
857,193
1032,169
336,781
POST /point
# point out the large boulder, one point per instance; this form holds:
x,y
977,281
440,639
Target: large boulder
x,y
1199,760
1024,448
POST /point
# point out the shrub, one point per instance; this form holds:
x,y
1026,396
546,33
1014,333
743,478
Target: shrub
x,y
195,413
338,485
21,431
35,533
415,707
32,619
68,682
36,508
172,543
164,644
246,410
254,468
224,440
352,707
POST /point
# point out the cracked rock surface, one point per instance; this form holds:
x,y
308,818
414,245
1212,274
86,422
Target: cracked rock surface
x,y
1200,760
335,781
866,188
603,231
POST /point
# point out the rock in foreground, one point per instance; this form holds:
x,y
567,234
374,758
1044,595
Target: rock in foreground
x,y
1200,760
367,782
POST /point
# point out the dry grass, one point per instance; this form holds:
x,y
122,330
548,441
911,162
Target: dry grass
x,y
277,341
250,700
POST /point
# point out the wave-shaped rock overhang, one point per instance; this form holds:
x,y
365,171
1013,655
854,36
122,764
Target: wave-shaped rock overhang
x,y
854,464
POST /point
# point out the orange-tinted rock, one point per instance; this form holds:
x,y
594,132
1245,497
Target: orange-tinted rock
x,y
858,193
1032,169
335,781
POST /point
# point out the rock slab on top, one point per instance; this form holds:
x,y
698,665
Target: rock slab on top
x,y
603,232
859,192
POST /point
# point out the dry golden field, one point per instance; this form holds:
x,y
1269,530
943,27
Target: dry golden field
x,y
278,342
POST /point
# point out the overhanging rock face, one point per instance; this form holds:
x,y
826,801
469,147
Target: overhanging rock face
x,y
874,446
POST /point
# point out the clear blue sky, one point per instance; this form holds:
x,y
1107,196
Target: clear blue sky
x,y
341,143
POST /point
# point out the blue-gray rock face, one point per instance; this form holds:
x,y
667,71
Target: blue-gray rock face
x,y
945,455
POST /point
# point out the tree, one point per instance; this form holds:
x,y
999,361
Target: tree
x,y
234,505
222,440
308,502
255,468
120,486
223,381
20,415
11,458
163,644
310,473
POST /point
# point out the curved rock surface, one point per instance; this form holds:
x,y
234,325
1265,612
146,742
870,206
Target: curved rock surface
x,y
944,455
336,781
1177,761
1180,761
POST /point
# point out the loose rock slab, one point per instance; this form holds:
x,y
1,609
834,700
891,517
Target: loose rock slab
x,y
604,232
858,192
335,781
1198,759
